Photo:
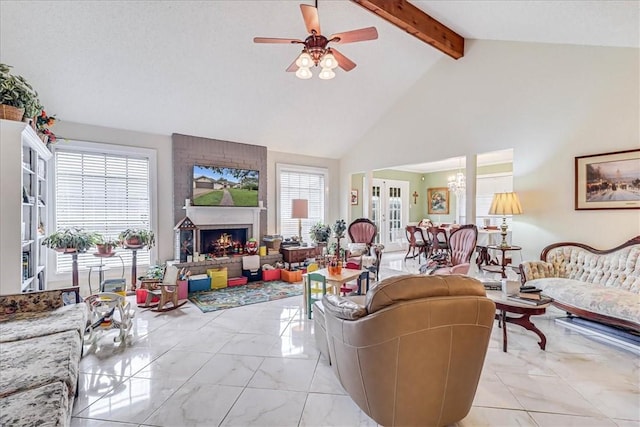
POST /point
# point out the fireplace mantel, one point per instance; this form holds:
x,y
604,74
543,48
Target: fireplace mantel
x,y
205,216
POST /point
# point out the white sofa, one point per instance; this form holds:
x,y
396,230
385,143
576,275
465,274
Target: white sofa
x,y
600,285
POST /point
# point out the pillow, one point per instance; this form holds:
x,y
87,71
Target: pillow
x,y
357,249
342,308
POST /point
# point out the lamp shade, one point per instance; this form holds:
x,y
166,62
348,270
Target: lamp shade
x,y
505,204
299,208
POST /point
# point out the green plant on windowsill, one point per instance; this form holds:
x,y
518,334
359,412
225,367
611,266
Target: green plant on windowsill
x,y
135,238
69,240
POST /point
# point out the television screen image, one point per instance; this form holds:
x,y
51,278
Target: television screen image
x,y
216,186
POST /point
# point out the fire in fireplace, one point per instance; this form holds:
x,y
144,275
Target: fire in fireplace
x,y
222,241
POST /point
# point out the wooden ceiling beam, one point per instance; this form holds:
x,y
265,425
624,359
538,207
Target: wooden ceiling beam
x,y
414,21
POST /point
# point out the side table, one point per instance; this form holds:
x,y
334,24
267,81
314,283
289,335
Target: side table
x,y
297,254
503,261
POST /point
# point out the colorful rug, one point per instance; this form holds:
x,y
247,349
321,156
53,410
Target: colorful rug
x,y
251,293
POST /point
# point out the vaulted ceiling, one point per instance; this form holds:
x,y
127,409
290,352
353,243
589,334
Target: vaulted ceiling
x,y
191,67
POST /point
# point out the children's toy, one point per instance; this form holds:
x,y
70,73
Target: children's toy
x,y
108,310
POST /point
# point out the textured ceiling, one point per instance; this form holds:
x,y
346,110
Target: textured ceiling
x,y
191,67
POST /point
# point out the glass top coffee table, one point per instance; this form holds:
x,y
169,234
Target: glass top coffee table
x,y
504,306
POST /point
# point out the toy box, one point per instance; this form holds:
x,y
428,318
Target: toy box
x,y
198,283
218,277
141,296
252,275
291,276
268,275
183,289
237,281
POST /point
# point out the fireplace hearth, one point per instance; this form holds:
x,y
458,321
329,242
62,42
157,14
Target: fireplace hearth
x,y
219,240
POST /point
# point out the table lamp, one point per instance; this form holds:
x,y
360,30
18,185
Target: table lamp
x,y
505,204
300,210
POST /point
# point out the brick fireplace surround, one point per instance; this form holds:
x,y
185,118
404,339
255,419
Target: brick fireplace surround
x,y
191,150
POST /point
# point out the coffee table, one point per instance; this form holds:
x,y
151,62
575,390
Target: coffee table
x,y
504,306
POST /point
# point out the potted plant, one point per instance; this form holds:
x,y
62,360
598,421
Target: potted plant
x,y
69,240
106,246
135,238
339,227
17,98
320,232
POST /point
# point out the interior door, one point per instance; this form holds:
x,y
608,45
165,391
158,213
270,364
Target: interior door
x,y
390,211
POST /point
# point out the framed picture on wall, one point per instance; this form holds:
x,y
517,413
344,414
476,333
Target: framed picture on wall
x,y
354,197
438,201
608,181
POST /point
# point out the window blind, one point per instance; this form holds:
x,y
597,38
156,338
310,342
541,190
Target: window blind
x,y
104,193
300,183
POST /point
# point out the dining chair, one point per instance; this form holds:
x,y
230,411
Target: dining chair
x,y
418,244
316,288
438,240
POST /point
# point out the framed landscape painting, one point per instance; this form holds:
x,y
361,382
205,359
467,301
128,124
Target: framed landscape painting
x,y
438,201
608,181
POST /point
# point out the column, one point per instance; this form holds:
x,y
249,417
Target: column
x,y
471,164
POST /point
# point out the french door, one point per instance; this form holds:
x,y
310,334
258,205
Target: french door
x,y
390,211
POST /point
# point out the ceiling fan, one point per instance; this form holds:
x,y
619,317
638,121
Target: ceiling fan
x,y
316,51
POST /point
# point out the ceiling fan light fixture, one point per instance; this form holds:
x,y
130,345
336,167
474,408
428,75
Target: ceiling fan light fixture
x,y
326,74
304,73
304,60
328,61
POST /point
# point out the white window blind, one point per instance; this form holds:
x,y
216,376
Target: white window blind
x,y
104,193
300,183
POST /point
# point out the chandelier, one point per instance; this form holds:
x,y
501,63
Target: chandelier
x,y
316,53
457,184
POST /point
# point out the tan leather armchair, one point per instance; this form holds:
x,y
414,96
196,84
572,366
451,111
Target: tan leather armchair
x,y
413,354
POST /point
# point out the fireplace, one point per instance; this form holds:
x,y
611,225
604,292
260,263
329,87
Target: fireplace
x,y
219,240
236,224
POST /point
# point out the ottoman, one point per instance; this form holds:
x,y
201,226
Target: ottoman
x,y
320,330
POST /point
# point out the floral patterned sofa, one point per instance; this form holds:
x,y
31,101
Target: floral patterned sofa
x,y
600,285
40,349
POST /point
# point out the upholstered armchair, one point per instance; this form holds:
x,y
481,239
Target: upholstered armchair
x,y
412,352
462,244
362,250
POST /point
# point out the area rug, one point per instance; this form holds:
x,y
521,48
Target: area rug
x,y
251,293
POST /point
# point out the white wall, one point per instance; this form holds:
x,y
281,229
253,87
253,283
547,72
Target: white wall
x,y
333,200
550,103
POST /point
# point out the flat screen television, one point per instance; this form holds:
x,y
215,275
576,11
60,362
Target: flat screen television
x,y
216,186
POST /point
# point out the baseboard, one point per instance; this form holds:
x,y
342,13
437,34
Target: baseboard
x,y
603,333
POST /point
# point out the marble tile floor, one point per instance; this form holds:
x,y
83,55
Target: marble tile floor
x,y
258,366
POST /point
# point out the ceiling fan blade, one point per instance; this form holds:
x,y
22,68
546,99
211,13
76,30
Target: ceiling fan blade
x,y
293,67
369,33
275,40
344,62
310,16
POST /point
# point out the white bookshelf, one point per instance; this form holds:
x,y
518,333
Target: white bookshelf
x,y
23,173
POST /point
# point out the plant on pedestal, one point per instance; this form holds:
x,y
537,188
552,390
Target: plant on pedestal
x,y
135,238
69,240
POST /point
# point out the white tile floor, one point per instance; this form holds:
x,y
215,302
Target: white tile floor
x,y
258,365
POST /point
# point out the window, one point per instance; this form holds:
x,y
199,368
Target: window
x,y
105,189
300,182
